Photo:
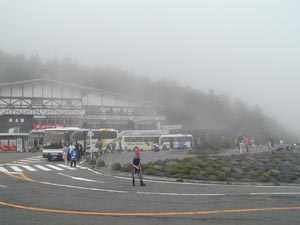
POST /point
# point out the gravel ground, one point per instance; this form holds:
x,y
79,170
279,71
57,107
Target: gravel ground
x,y
151,156
146,156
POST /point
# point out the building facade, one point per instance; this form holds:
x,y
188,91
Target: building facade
x,y
43,103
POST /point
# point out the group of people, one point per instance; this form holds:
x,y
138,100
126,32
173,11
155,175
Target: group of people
x,y
100,146
72,154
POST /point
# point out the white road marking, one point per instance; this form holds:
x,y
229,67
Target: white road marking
x,y
276,193
201,184
82,179
82,167
85,188
29,168
15,168
94,171
3,186
2,169
66,166
42,167
25,160
54,167
178,194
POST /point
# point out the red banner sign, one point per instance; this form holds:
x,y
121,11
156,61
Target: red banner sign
x,y
45,126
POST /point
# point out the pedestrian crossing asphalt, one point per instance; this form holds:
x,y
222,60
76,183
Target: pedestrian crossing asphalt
x,y
30,160
8,168
34,164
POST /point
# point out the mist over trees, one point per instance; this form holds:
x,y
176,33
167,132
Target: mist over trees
x,y
193,109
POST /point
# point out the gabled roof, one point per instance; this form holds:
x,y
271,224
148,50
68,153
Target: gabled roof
x,y
81,87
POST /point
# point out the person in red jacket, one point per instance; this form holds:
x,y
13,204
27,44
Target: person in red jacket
x,y
246,143
137,168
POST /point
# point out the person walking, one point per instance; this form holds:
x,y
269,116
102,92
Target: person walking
x,y
70,149
74,157
246,143
137,168
99,145
240,143
65,154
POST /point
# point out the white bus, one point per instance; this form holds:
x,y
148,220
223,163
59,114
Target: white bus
x,y
55,139
92,138
140,139
176,141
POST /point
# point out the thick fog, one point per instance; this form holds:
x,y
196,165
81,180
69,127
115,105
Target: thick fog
x,y
248,49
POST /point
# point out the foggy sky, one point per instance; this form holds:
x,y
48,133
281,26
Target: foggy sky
x,y
248,49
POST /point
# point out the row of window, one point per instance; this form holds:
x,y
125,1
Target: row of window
x,y
117,111
121,125
141,139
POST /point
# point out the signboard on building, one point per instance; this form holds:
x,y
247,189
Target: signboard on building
x,y
46,126
171,127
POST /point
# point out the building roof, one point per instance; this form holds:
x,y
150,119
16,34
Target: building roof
x,y
81,87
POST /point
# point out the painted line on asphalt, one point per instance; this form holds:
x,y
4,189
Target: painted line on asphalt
x,y
3,186
216,194
203,184
84,188
148,214
82,179
93,171
276,193
177,194
20,176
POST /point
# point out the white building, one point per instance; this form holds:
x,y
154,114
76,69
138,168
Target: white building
x,y
41,103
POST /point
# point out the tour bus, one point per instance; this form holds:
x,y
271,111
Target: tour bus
x,y
140,139
176,141
55,139
91,138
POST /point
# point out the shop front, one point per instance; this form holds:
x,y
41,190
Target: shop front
x,y
13,141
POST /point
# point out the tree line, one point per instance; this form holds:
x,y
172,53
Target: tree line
x,y
193,109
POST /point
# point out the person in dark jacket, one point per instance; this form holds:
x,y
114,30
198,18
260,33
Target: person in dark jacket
x,y
74,157
137,168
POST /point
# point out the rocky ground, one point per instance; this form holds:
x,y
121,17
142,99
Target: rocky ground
x,y
257,165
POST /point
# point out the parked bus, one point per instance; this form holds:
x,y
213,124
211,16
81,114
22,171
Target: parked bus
x,y
55,139
176,141
140,139
91,139
35,140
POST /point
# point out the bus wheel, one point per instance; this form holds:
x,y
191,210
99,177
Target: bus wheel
x,y
135,148
108,149
49,159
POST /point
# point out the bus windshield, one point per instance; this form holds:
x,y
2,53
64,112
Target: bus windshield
x,y
54,139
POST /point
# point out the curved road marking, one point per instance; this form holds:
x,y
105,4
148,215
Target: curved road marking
x,y
84,188
148,214
21,176
24,177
